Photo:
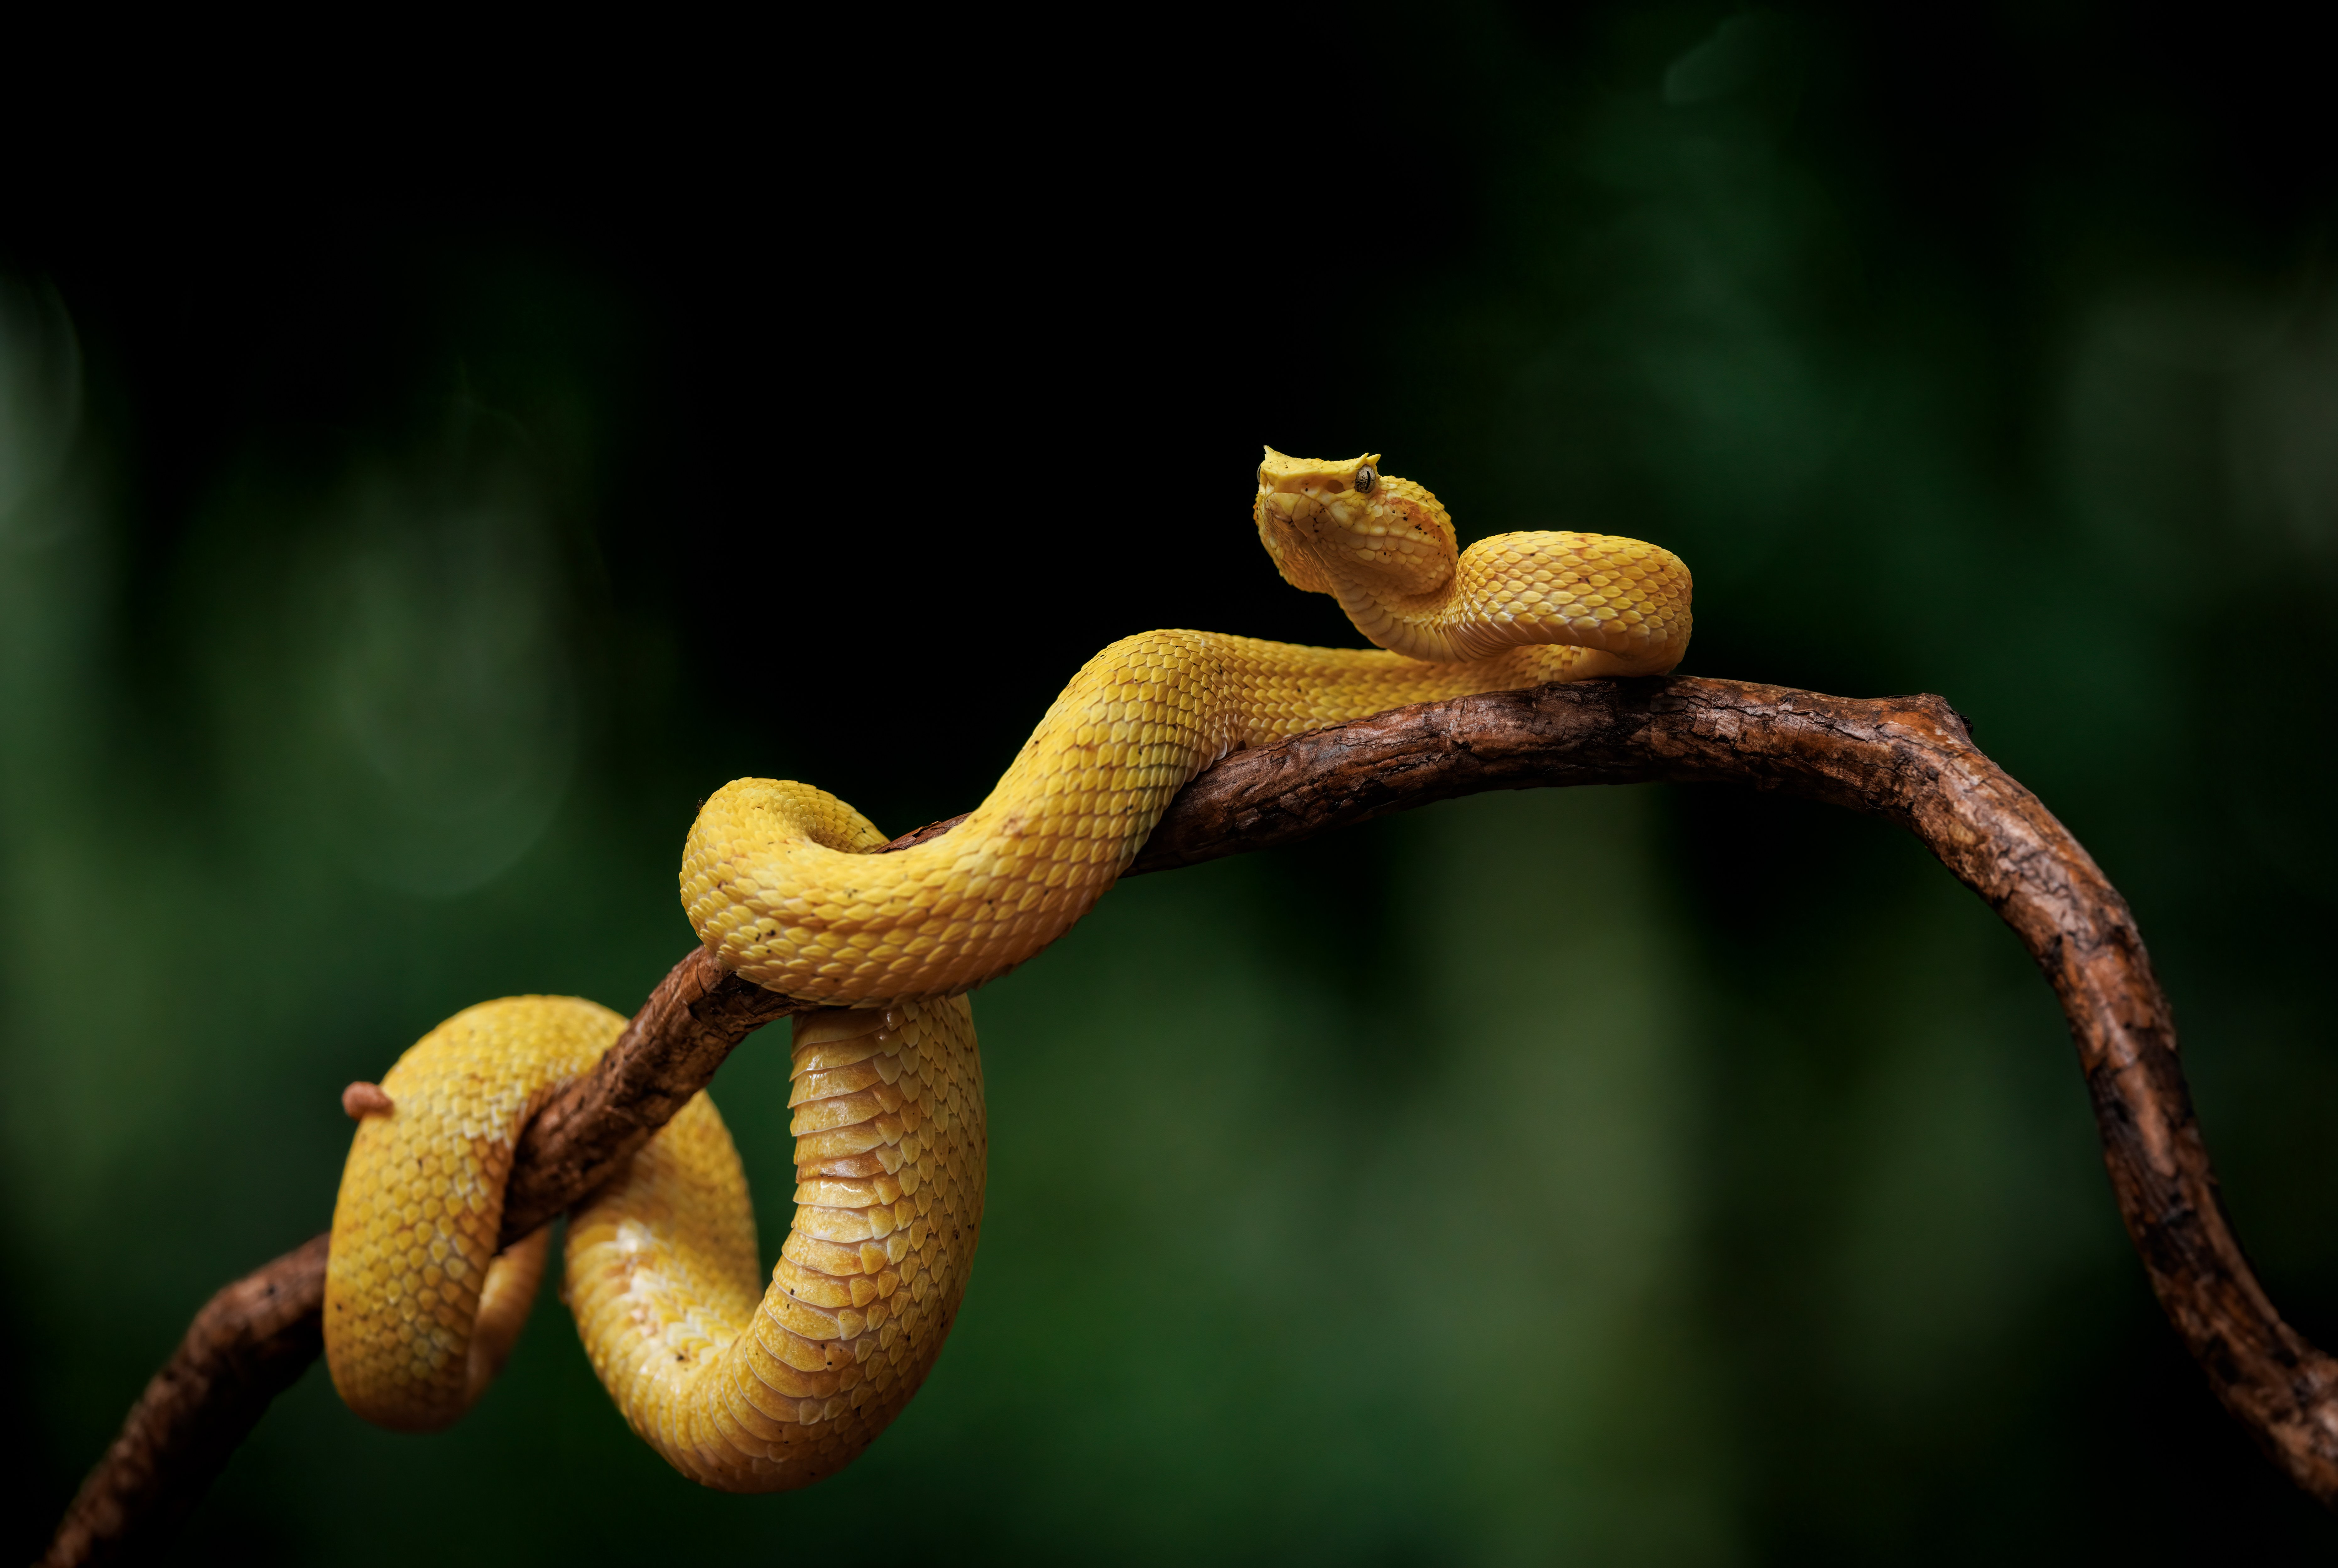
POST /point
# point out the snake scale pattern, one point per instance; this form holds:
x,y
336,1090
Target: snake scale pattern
x,y
752,1382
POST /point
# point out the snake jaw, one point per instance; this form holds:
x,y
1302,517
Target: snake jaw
x,y
1288,541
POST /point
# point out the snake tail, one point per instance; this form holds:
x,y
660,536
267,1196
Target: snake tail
x,y
741,1384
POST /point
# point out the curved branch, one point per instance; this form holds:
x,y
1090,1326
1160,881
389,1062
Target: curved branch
x,y
1908,760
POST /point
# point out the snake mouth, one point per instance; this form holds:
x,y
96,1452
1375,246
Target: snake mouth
x,y
1300,510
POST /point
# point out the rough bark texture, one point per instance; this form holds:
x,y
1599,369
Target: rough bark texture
x,y
1908,760
249,1343
667,1053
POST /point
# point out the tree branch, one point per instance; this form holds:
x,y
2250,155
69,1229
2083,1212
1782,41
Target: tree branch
x,y
1907,760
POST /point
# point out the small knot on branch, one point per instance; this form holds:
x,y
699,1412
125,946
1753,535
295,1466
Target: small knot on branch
x,y
361,1100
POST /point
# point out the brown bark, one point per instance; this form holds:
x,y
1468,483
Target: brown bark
x,y
1907,760
249,1343
667,1053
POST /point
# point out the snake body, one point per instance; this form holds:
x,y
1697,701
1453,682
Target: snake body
x,y
754,1386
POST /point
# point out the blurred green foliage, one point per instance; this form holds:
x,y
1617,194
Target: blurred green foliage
x,y
1627,1176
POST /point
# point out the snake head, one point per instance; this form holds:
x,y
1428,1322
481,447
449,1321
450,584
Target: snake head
x,y
1340,523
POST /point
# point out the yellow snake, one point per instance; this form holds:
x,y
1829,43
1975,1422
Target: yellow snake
x,y
754,1387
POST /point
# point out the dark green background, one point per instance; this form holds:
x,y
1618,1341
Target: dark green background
x,y
392,552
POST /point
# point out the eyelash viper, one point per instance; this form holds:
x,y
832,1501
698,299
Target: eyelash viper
x,y
749,1386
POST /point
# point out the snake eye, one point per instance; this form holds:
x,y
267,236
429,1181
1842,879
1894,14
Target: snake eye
x,y
1365,480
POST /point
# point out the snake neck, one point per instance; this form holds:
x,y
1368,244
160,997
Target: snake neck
x,y
1430,625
